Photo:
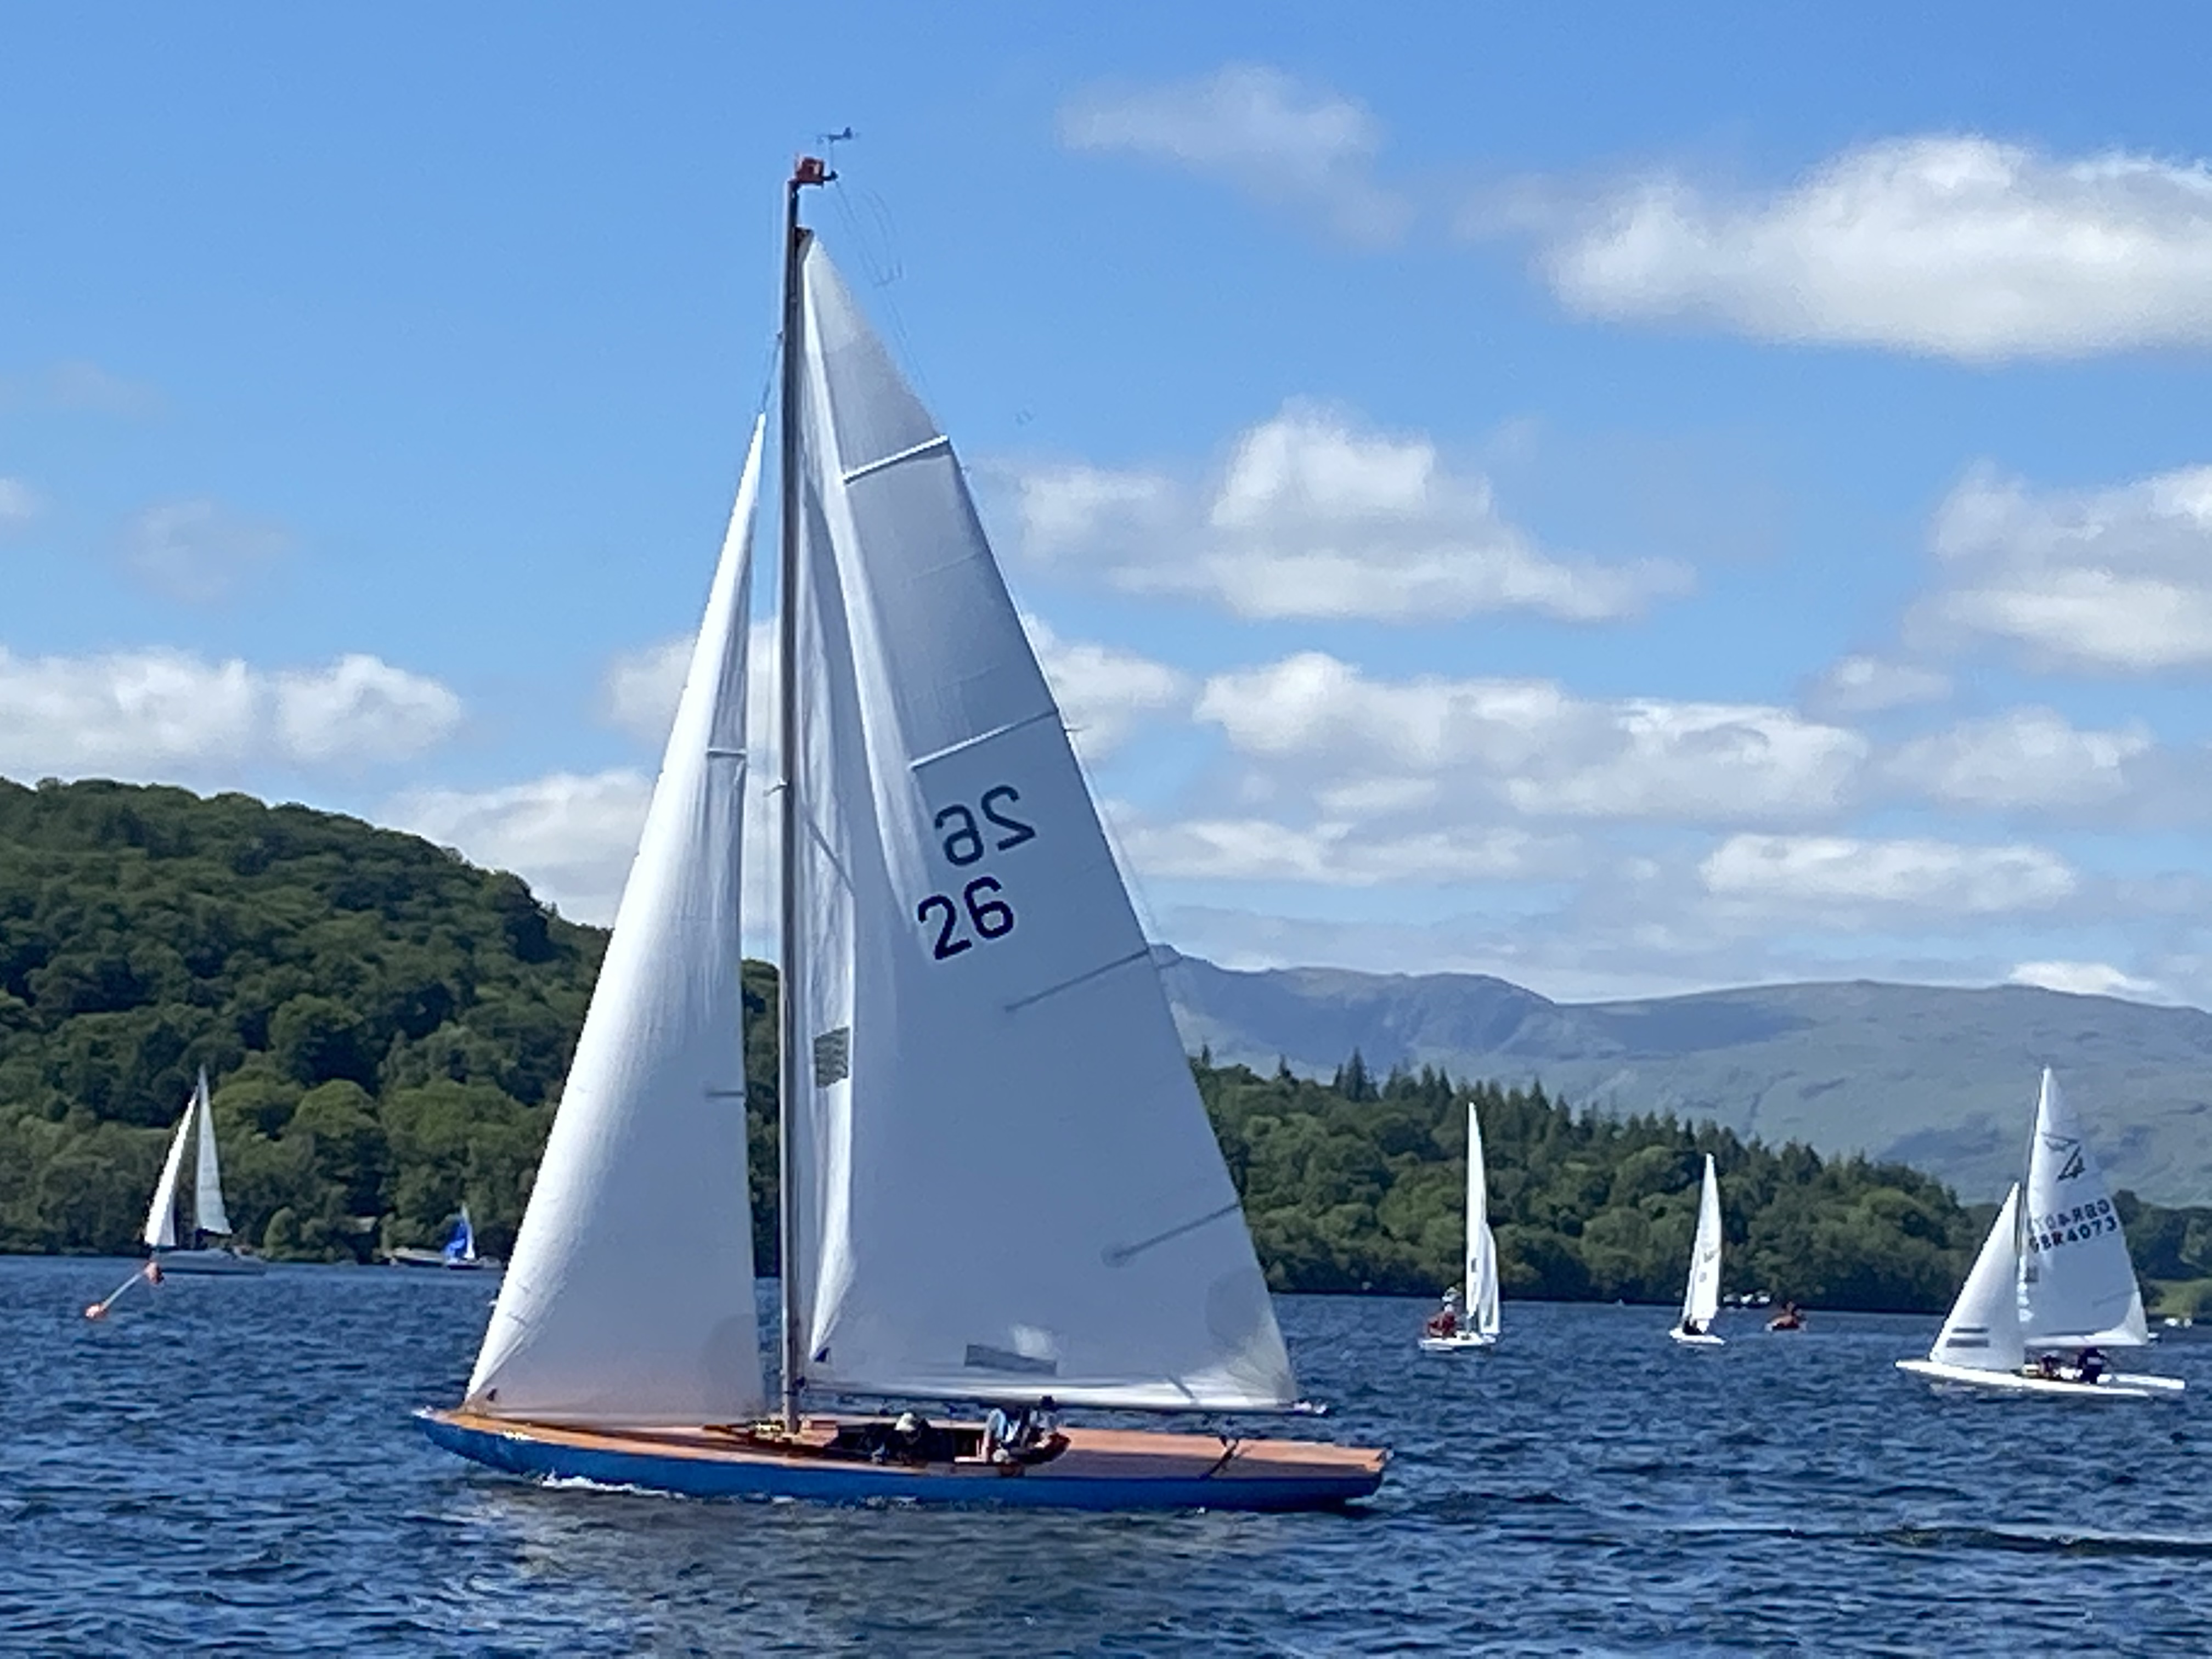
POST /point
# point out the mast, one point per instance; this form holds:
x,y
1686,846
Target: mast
x,y
808,170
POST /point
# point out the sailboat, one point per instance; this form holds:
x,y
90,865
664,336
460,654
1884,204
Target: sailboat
x,y
1480,1330
458,1254
177,1248
2053,1275
1701,1300
997,1183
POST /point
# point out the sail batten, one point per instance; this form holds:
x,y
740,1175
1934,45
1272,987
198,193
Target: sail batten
x,y
1013,1108
629,1299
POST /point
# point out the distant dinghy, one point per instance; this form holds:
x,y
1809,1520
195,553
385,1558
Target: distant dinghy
x,y
1479,1308
2053,1275
182,1246
1701,1299
458,1254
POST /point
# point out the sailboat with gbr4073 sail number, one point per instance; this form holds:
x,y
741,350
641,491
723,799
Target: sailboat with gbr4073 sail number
x,y
997,1183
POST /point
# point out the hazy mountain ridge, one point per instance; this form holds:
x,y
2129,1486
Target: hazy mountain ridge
x,y
1939,1077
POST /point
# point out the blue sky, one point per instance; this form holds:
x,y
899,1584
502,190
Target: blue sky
x,y
1624,502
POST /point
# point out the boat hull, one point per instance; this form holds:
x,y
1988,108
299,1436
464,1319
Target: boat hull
x,y
408,1256
211,1264
1101,1469
1685,1340
2114,1385
1459,1344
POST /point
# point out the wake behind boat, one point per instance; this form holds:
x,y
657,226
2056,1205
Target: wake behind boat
x,y
1701,1298
1455,1328
998,1182
183,1246
2053,1287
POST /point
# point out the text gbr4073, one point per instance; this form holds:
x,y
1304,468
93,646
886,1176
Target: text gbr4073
x,y
979,913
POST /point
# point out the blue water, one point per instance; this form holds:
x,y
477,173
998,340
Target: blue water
x,y
227,1466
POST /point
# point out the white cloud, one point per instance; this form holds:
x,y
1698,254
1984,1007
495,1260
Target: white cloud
x,y
200,550
1815,873
2026,757
571,837
1952,246
1528,747
18,505
2084,979
1871,685
639,688
1316,516
1335,854
1105,694
157,712
2104,580
1258,130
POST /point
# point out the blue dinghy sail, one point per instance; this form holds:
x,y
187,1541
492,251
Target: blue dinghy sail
x,y
998,1182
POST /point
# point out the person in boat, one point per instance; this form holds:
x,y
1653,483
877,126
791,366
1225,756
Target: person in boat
x,y
2089,1365
1693,1327
1446,1320
1789,1319
2046,1367
1030,1435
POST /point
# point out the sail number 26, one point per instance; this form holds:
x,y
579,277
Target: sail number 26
x,y
980,905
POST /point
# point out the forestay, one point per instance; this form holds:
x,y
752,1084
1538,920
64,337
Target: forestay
x,y
208,1213
1983,1330
2077,1285
1482,1244
1006,1183
1701,1301
629,1297
162,1215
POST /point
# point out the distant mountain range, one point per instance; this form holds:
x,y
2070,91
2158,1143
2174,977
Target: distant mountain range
x,y
1940,1078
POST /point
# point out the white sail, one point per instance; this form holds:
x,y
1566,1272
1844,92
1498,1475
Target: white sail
x,y
1482,1244
162,1215
1006,1183
630,1298
208,1213
2077,1285
1983,1331
1701,1301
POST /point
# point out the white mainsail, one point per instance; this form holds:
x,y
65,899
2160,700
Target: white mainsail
x,y
1005,1185
1982,1332
1482,1244
1701,1301
208,1213
2077,1285
630,1298
162,1215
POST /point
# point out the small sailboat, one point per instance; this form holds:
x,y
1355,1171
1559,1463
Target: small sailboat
x,y
2053,1282
997,1183
1481,1327
458,1254
1701,1300
177,1247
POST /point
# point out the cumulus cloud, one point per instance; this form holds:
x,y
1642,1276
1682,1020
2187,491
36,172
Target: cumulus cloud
x,y
1333,853
1104,693
2085,979
1528,747
18,505
155,713
1873,685
1821,872
200,550
571,836
2114,580
2023,758
1258,130
1314,515
1954,246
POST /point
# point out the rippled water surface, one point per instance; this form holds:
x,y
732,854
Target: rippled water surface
x,y
227,1465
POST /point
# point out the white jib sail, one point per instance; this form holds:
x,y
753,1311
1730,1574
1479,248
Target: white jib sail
x,y
162,1215
208,1213
1701,1301
629,1297
1983,1331
1008,1184
2077,1285
1482,1244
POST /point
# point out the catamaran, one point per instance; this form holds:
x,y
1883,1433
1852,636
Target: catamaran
x,y
997,1181
1480,1305
2052,1283
177,1247
1701,1300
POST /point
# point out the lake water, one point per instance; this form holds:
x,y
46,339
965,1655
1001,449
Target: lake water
x,y
229,1466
